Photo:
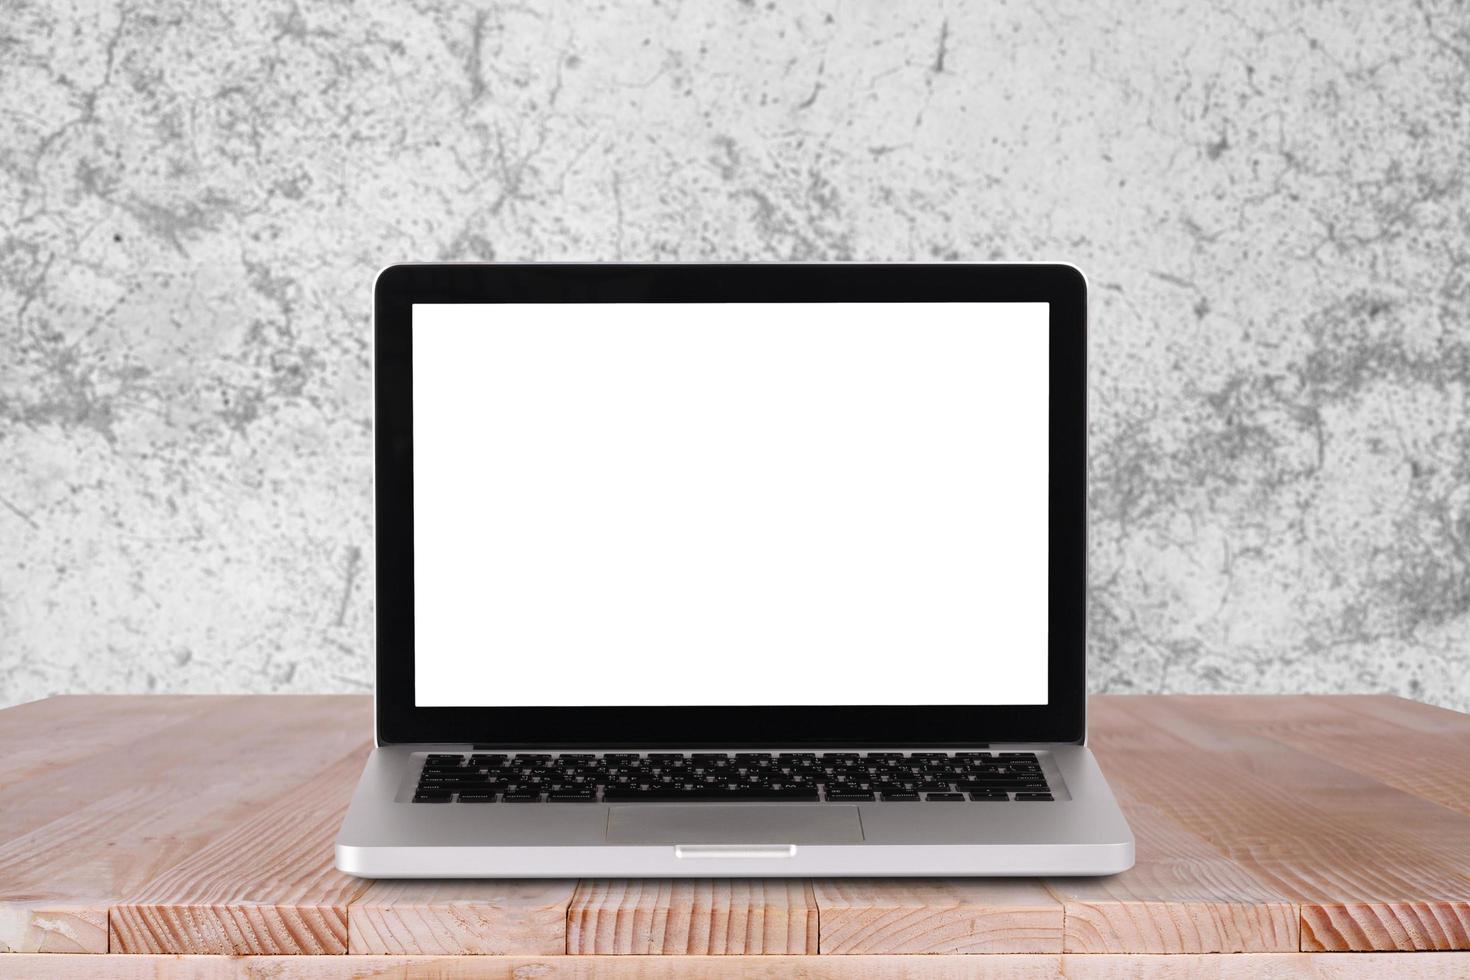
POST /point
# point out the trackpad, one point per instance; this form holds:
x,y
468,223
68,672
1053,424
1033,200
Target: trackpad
x,y
747,823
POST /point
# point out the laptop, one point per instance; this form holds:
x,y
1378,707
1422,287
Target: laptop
x,y
731,570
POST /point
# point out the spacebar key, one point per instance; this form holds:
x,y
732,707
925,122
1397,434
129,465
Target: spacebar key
x,y
700,795
796,793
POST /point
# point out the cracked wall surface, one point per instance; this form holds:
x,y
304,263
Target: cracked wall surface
x,y
1269,198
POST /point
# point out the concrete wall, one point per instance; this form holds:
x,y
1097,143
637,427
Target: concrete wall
x,y
1269,197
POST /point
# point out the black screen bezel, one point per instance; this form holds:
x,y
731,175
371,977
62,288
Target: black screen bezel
x,y
1061,719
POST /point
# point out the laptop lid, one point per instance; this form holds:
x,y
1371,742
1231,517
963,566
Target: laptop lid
x,y
733,505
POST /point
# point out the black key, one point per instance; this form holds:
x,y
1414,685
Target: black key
x,y
656,794
445,782
846,795
477,797
634,791
925,786
788,793
522,796
900,797
431,797
444,757
571,797
945,797
989,795
1034,796
617,794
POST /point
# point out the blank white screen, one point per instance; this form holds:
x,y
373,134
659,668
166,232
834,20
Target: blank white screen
x,y
650,504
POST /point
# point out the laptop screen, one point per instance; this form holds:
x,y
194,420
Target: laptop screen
x,y
730,504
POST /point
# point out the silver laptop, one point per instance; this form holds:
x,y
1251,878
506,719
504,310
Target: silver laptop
x,y
728,570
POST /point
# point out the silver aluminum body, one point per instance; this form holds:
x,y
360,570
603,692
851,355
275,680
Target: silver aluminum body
x,y
1081,832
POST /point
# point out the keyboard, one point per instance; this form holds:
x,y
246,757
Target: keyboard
x,y
809,777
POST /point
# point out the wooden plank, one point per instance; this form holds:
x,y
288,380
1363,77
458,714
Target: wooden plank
x,y
201,830
60,731
1413,747
83,836
1413,716
265,884
1299,824
449,917
1182,896
1372,739
716,917
47,926
936,915
1013,966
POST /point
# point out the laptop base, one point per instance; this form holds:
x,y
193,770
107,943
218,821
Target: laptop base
x,y
1079,832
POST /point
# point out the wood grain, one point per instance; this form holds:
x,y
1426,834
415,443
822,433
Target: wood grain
x,y
1376,737
936,915
265,885
83,836
447,917
1013,966
205,824
1371,867
723,916
77,727
48,927
1182,896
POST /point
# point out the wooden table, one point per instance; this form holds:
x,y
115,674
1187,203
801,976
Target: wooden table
x,y
1286,830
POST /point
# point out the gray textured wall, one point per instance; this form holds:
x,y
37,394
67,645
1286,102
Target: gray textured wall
x,y
1270,199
